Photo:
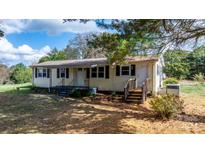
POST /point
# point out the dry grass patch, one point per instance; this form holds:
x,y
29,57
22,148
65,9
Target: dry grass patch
x,y
35,113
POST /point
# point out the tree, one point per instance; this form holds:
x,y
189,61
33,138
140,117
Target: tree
x,y
20,73
197,61
54,55
176,64
148,36
4,74
185,64
78,48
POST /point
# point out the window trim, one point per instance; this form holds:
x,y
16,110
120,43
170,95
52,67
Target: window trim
x,y
103,72
129,66
43,73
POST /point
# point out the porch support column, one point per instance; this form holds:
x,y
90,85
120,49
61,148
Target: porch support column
x,y
33,75
51,76
154,79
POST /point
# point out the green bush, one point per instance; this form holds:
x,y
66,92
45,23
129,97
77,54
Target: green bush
x,y
170,81
199,77
76,94
166,106
80,93
20,74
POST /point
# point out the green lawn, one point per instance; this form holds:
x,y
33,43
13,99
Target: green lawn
x,y
13,88
198,89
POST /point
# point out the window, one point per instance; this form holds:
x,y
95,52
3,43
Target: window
x,y
100,72
42,72
62,72
125,70
94,72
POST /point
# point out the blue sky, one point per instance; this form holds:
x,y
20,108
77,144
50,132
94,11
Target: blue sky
x,y
38,39
28,40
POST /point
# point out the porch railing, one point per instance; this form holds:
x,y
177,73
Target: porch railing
x,y
145,90
130,85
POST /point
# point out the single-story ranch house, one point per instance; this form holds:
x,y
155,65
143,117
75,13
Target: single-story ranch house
x,y
135,73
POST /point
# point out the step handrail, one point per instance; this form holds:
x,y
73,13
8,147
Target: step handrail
x,y
130,85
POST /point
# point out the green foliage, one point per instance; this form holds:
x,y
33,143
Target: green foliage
x,y
80,93
170,81
76,48
183,64
199,77
196,61
54,55
176,64
144,36
166,106
20,74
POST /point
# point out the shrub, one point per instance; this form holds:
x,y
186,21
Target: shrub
x,y
199,77
170,81
80,93
166,106
76,94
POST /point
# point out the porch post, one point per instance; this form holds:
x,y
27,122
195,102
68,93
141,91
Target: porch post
x,y
154,79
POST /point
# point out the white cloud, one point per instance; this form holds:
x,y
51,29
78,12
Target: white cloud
x,y
51,26
24,53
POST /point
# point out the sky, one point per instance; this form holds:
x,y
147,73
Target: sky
x,y
26,41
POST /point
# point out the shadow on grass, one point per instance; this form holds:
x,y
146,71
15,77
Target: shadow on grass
x,y
39,113
34,113
192,118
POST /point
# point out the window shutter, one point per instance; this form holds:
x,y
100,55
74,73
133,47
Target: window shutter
x,y
36,73
107,72
58,72
117,70
88,73
48,73
67,72
132,70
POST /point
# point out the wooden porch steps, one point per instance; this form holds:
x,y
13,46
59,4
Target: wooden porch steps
x,y
134,96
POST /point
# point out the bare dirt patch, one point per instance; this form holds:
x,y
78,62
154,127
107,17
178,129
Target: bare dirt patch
x,y
35,113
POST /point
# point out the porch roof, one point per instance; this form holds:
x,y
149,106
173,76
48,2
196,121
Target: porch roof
x,y
90,62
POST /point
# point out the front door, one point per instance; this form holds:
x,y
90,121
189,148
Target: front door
x,y
80,77
141,74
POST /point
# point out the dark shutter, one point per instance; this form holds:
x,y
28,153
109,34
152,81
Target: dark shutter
x,y
36,73
67,72
48,72
117,70
132,70
88,73
58,72
107,72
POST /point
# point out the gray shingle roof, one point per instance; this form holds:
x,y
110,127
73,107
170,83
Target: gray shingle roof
x,y
89,62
